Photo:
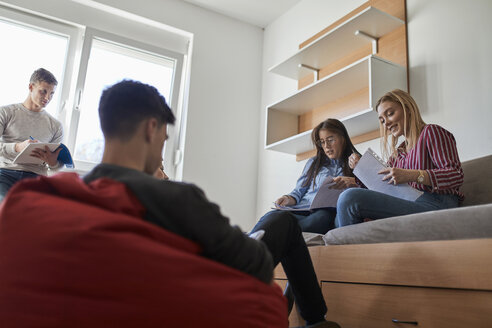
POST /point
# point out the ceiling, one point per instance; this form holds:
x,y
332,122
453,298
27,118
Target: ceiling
x,y
256,12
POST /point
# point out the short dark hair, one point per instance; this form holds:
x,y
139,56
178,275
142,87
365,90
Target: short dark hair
x,y
43,75
124,105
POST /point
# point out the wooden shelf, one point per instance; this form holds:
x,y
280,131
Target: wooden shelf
x,y
358,124
337,85
372,73
354,74
338,42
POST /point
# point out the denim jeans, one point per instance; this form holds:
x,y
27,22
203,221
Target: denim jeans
x,y
284,240
356,204
319,221
9,177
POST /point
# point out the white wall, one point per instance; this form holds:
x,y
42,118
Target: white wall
x,y
224,96
221,152
450,75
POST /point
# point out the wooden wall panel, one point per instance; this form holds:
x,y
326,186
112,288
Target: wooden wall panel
x,y
337,65
338,109
392,47
395,8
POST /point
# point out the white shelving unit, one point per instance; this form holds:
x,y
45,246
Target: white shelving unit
x,y
338,42
364,122
374,73
371,73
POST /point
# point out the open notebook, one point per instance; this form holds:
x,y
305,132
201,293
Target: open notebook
x,y
24,157
367,171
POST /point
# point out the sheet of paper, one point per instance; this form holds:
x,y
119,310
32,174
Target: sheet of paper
x,y
326,196
367,171
25,157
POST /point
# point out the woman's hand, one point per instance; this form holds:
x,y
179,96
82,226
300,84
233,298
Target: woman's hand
x,y
353,160
344,183
395,175
285,201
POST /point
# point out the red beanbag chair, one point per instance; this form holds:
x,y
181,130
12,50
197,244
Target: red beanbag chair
x,y
77,255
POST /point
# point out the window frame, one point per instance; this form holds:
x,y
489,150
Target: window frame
x,y
72,32
80,38
172,143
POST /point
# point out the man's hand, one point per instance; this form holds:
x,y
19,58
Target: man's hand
x,y
46,155
160,174
22,145
395,175
343,183
285,201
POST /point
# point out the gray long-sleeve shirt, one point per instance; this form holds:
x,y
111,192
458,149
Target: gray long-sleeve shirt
x,y
17,123
183,209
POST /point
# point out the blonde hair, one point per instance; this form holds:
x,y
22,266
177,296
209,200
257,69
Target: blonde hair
x,y
411,129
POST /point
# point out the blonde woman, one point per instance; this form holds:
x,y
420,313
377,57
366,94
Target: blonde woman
x,y
427,160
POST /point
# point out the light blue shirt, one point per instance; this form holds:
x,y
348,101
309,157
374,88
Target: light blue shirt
x,y
305,195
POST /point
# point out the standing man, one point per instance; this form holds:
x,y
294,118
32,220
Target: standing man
x,y
25,123
134,118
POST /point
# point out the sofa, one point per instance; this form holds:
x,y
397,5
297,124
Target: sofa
x,y
430,269
77,255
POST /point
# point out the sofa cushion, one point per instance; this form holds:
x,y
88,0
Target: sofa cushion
x,y
80,255
457,223
477,186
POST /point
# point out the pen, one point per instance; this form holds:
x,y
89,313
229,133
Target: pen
x,y
31,138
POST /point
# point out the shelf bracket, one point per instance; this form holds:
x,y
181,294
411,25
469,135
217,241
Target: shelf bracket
x,y
315,70
373,39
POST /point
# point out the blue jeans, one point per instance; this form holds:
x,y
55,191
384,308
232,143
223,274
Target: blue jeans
x,y
356,204
9,177
319,221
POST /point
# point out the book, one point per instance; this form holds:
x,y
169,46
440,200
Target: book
x,y
24,157
367,171
325,197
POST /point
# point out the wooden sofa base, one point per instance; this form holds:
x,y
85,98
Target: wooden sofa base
x,y
418,284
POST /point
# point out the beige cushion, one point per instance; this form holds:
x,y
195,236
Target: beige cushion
x,y
457,223
477,186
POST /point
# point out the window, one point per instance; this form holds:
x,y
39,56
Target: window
x,y
107,59
23,39
85,61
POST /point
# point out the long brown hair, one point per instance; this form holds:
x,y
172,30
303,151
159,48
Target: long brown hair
x,y
338,128
411,129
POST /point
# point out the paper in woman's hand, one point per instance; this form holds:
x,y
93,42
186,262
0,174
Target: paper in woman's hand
x,y
367,171
327,196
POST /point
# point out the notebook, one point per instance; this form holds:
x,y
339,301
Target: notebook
x,y
367,171
24,157
324,198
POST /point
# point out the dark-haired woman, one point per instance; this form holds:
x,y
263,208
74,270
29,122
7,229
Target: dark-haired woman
x,y
334,150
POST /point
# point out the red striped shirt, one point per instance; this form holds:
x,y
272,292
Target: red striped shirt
x,y
436,153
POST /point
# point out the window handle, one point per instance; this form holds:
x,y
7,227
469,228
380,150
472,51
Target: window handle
x,y
407,322
79,99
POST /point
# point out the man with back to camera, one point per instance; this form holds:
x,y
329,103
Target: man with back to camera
x,y
134,118
25,123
